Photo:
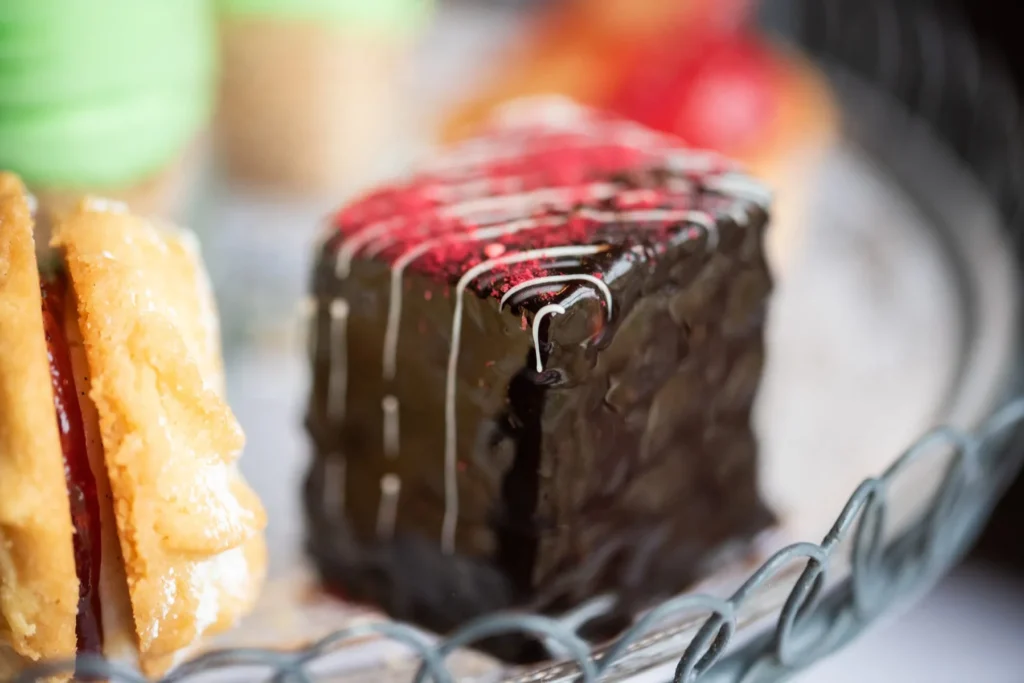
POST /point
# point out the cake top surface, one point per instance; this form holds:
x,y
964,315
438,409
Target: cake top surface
x,y
551,188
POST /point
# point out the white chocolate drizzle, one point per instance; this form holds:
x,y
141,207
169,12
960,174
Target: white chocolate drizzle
x,y
451,491
740,215
550,309
742,186
403,262
350,247
387,511
337,378
706,221
378,236
692,162
378,245
526,203
555,279
389,405
659,216
653,216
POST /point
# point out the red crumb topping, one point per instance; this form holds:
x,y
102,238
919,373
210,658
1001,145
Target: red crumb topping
x,y
532,185
82,494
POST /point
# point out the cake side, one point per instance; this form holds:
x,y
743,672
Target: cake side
x,y
534,359
648,470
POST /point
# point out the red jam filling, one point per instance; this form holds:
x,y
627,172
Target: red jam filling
x,y
85,510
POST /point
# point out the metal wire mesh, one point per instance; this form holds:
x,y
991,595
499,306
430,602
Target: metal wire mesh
x,y
969,104
882,572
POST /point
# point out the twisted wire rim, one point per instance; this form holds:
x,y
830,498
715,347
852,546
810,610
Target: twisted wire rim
x,y
876,581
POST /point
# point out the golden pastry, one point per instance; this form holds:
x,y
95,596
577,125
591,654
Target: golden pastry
x,y
125,527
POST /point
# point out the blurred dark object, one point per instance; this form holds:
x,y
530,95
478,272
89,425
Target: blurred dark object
x,y
969,101
998,23
966,106
1001,540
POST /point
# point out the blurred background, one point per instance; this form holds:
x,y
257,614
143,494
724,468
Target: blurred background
x,y
252,120
969,627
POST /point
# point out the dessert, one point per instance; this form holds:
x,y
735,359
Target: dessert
x,y
106,98
310,89
125,526
534,364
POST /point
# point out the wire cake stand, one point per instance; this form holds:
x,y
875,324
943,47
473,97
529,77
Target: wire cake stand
x,y
940,120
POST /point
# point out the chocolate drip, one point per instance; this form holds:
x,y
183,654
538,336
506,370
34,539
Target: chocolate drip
x,y
520,489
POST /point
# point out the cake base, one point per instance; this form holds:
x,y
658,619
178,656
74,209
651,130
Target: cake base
x,y
411,579
304,108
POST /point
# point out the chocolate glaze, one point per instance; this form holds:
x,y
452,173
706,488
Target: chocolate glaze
x,y
625,465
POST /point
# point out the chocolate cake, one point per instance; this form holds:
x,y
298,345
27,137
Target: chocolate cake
x,y
534,364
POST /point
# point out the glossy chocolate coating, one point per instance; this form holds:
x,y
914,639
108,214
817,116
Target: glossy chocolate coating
x,y
626,465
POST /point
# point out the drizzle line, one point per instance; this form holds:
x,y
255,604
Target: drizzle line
x,y
741,186
553,279
348,249
403,261
545,310
387,511
451,492
337,378
389,404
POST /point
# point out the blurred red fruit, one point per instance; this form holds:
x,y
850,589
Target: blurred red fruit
x,y
719,94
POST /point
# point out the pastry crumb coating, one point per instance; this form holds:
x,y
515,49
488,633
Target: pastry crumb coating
x,y
38,584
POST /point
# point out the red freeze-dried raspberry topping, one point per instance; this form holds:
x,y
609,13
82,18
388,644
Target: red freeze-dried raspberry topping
x,y
82,494
560,170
